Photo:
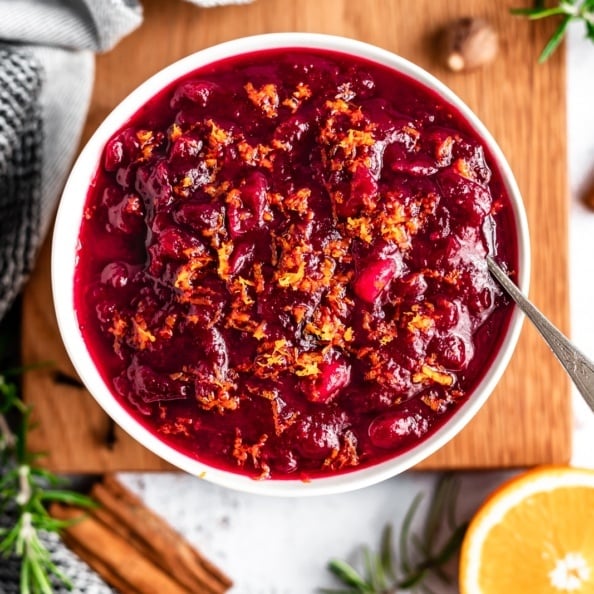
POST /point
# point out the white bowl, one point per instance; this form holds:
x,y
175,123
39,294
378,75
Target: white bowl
x,y
66,243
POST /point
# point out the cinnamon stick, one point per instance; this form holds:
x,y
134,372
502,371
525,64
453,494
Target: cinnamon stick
x,y
104,570
134,549
122,565
157,539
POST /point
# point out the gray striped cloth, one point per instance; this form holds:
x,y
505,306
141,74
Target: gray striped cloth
x,y
84,581
46,77
46,74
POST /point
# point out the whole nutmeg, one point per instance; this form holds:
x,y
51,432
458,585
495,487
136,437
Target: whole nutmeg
x,y
468,43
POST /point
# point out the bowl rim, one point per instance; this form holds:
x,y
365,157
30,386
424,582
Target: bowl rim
x,y
65,244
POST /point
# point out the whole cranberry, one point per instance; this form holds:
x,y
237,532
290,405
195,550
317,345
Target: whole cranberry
x,y
184,149
316,438
123,387
371,280
203,216
282,460
333,378
121,149
115,274
216,350
198,92
242,256
398,428
293,130
247,214
370,399
153,386
127,214
153,185
453,351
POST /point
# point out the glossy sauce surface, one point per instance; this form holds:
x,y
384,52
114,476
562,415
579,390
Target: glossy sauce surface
x,y
282,270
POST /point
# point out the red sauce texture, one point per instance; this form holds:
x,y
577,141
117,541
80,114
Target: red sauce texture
x,y
282,264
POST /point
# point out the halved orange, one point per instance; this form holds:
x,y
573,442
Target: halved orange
x,y
534,535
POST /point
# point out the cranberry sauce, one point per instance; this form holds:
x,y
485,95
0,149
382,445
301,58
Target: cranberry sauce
x,y
282,264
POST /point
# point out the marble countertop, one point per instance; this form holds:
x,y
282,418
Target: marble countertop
x,y
281,546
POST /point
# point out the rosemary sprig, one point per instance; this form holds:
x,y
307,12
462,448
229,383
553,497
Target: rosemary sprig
x,y
568,11
419,554
25,491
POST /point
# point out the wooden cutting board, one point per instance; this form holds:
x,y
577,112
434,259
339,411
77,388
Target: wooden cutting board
x,y
527,421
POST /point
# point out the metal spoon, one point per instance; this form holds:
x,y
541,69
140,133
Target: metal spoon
x,y
579,368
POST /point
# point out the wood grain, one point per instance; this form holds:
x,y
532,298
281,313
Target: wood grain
x,y
527,420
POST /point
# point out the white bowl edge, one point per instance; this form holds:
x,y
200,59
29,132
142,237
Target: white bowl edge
x,y
65,247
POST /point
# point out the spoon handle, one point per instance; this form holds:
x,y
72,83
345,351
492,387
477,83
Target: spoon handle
x,y
579,368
